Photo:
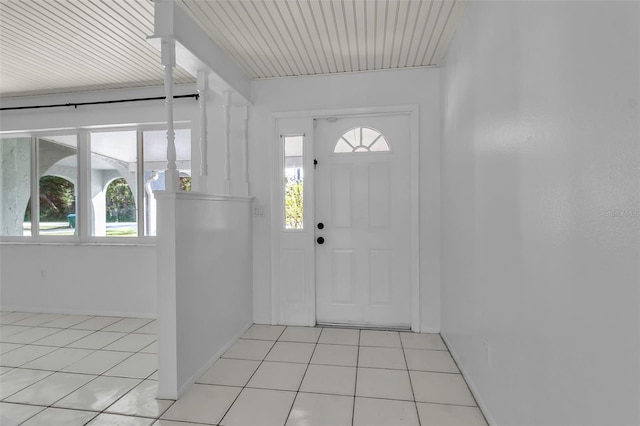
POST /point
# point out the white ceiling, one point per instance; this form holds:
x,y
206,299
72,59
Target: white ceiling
x,y
60,46
278,38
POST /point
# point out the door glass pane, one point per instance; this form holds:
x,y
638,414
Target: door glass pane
x,y
368,136
293,182
362,139
15,186
113,184
58,184
343,146
155,164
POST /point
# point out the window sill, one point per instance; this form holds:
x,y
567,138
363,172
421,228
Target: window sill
x,y
131,242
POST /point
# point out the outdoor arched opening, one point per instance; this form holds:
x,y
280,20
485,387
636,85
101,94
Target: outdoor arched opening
x,y
57,206
120,209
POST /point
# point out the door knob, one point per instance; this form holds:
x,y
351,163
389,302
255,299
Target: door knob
x,y
320,240
320,225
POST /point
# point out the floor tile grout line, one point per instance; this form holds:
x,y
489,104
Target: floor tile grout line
x,y
413,393
21,389
93,331
140,380
35,414
21,312
104,410
286,362
79,373
253,374
436,372
333,394
66,372
103,347
33,341
355,384
34,359
79,338
96,329
55,350
464,379
94,351
90,334
134,330
46,322
23,366
107,407
60,399
11,350
51,406
70,372
291,341
302,378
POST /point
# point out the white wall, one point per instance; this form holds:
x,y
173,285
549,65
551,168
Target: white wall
x,y
205,283
540,208
357,90
73,279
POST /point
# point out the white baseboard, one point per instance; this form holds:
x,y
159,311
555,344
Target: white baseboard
x,y
472,387
430,330
77,312
209,363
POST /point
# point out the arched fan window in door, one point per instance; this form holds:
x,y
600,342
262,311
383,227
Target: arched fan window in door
x,y
362,139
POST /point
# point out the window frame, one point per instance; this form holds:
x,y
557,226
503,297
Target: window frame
x,y
83,190
283,178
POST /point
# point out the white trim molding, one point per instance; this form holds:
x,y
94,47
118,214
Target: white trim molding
x,y
305,124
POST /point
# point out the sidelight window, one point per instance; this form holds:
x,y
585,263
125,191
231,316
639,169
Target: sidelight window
x,y
293,182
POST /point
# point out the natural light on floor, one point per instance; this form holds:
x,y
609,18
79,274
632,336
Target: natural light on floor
x,y
74,370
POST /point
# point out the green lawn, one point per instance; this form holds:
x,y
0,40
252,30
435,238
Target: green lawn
x,y
126,232
62,228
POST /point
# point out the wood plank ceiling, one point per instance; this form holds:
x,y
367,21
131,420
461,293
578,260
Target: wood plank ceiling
x,y
278,38
58,46
61,46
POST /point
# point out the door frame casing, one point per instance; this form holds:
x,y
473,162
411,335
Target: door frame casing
x,y
305,121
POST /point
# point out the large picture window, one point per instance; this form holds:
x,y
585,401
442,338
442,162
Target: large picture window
x,y
44,181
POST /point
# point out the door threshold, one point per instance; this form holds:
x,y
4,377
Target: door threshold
x,y
364,326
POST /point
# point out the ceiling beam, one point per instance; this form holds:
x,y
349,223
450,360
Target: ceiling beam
x,y
195,51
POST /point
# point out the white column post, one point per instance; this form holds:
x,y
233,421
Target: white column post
x,y
35,187
203,88
169,61
85,224
245,149
227,142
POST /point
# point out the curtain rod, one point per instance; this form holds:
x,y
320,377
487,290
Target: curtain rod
x,y
77,104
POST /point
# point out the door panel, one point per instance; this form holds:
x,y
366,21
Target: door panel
x,y
362,197
380,267
379,195
341,196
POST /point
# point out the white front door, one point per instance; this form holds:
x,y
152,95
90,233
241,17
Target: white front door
x,y
363,220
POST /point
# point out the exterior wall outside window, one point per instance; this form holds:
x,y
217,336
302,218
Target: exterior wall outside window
x,y
15,159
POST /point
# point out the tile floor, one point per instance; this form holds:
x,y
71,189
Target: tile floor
x,y
83,370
